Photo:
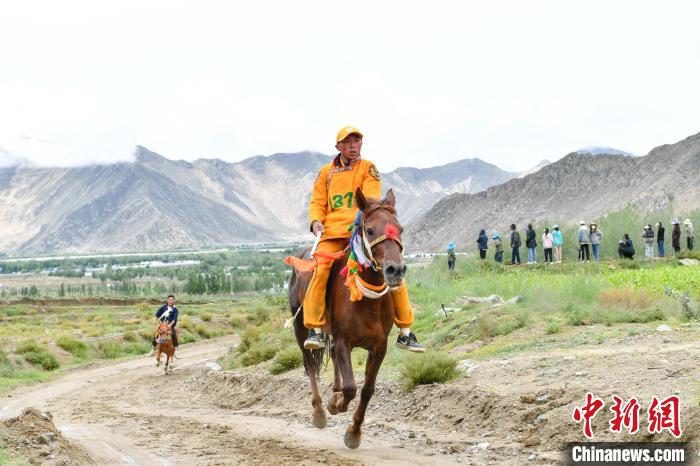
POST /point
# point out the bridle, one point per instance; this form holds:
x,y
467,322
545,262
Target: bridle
x,y
164,336
367,289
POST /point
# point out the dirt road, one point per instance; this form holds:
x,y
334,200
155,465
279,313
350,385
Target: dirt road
x,y
131,413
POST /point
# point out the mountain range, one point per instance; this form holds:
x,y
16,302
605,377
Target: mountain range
x,y
578,186
155,203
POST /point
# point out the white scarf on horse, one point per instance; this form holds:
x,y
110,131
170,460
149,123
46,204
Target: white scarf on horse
x,y
359,248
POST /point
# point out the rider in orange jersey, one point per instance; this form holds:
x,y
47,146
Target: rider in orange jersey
x,y
331,211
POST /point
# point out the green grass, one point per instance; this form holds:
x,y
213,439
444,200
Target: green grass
x,y
74,346
428,368
286,360
559,303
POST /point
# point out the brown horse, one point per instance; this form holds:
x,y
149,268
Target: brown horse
x,y
365,323
164,344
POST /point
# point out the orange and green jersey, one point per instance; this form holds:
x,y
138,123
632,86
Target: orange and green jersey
x,y
333,196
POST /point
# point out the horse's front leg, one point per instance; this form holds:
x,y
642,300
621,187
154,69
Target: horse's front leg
x,y
353,435
342,358
159,353
167,361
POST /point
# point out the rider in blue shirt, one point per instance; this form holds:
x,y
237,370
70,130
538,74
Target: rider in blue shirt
x,y
167,313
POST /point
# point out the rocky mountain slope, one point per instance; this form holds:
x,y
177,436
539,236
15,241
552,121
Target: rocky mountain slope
x,y
155,203
578,186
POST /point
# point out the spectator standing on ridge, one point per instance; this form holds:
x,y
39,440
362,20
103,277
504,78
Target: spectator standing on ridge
x,y
660,232
531,243
584,242
689,233
451,256
498,244
482,243
515,244
595,235
676,236
558,242
547,243
648,236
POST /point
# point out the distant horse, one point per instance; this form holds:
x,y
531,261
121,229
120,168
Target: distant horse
x,y
164,344
365,323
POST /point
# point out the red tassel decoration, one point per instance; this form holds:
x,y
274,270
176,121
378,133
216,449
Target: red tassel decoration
x,y
392,232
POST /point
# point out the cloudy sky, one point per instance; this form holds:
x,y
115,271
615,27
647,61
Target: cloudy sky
x,y
428,82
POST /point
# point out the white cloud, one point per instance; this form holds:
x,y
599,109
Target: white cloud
x,y
510,82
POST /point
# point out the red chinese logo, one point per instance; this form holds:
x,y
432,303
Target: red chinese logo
x,y
627,416
662,415
587,412
665,415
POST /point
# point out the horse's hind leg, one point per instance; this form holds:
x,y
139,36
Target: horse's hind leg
x,y
342,359
332,406
353,435
318,415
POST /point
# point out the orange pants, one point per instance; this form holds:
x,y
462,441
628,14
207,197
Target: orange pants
x,y
315,299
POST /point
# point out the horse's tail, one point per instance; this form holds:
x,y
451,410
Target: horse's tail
x,y
313,359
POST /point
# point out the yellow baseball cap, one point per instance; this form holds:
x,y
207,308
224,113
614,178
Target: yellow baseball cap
x,y
347,131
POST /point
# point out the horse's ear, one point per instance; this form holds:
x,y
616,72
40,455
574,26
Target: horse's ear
x,y
361,200
390,199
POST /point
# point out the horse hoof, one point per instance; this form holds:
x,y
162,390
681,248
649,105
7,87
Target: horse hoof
x,y
332,409
319,421
352,441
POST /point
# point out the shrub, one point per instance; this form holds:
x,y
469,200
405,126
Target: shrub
x,y
259,352
626,298
685,254
509,326
639,317
130,337
186,337
136,348
250,336
261,315
574,315
146,334
186,323
30,346
45,360
286,360
485,326
202,331
4,359
109,349
553,327
429,368
237,322
206,316
72,345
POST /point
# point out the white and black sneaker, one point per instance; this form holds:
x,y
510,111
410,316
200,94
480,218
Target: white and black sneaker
x,y
409,343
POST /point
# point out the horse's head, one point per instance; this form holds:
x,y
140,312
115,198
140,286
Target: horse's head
x,y
382,236
164,333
